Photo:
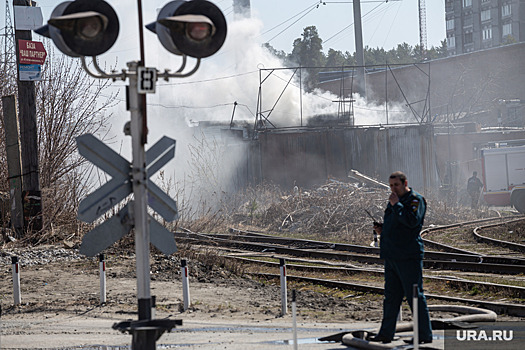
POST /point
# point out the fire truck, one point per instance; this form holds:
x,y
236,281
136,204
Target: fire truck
x,y
504,176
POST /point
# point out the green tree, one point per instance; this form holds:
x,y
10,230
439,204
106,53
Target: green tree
x,y
349,59
308,52
335,59
404,53
279,54
375,56
442,50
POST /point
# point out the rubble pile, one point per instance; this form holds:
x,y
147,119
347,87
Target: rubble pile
x,y
334,207
339,209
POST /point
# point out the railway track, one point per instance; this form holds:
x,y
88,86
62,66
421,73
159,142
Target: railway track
x,y
510,245
465,261
464,284
480,244
498,307
449,259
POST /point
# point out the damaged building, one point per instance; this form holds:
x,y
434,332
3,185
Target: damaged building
x,y
455,107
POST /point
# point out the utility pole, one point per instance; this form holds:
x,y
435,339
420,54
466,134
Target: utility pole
x,y
12,145
28,138
359,53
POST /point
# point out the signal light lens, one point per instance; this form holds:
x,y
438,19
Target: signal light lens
x,y
82,27
198,31
88,28
196,28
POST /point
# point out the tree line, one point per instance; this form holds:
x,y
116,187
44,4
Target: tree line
x,y
308,52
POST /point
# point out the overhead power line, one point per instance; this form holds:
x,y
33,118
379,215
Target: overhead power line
x,y
289,19
352,24
282,31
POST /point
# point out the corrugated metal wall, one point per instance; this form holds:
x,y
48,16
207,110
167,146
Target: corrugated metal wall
x,y
306,158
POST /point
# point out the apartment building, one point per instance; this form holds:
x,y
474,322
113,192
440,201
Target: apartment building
x,y
480,24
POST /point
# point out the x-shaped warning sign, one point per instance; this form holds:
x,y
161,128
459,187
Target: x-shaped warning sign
x,y
117,189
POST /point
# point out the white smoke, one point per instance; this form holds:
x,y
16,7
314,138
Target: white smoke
x,y
232,75
368,112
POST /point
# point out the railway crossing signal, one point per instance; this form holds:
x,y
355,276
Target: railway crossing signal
x,y
82,27
195,28
117,189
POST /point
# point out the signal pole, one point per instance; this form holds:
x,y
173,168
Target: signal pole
x,y
140,206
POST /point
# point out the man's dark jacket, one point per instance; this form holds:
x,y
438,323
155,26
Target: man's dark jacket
x,y
400,239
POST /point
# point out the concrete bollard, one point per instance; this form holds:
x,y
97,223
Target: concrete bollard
x,y
400,314
16,280
294,318
284,302
185,284
415,316
102,272
153,307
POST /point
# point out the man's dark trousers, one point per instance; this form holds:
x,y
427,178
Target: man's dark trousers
x,y
400,276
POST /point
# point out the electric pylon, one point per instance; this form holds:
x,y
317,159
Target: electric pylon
x,y
9,38
423,28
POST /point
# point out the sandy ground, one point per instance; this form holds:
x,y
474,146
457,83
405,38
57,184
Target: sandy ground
x,y
60,308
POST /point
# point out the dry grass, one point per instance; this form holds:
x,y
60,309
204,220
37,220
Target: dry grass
x,y
335,212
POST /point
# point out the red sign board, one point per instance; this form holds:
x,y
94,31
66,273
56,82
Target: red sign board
x,y
31,52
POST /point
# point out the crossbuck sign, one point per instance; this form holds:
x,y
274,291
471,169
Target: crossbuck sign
x,y
120,187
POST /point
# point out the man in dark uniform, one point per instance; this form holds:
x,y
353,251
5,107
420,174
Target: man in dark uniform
x,y
473,187
402,249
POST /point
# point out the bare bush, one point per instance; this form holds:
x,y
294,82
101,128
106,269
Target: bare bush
x,y
69,104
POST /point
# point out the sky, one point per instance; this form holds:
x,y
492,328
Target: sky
x,y
385,23
232,74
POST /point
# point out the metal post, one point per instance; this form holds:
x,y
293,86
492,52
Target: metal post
x,y
142,340
294,318
284,302
429,111
185,284
16,280
415,316
386,91
140,179
102,272
153,307
301,92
